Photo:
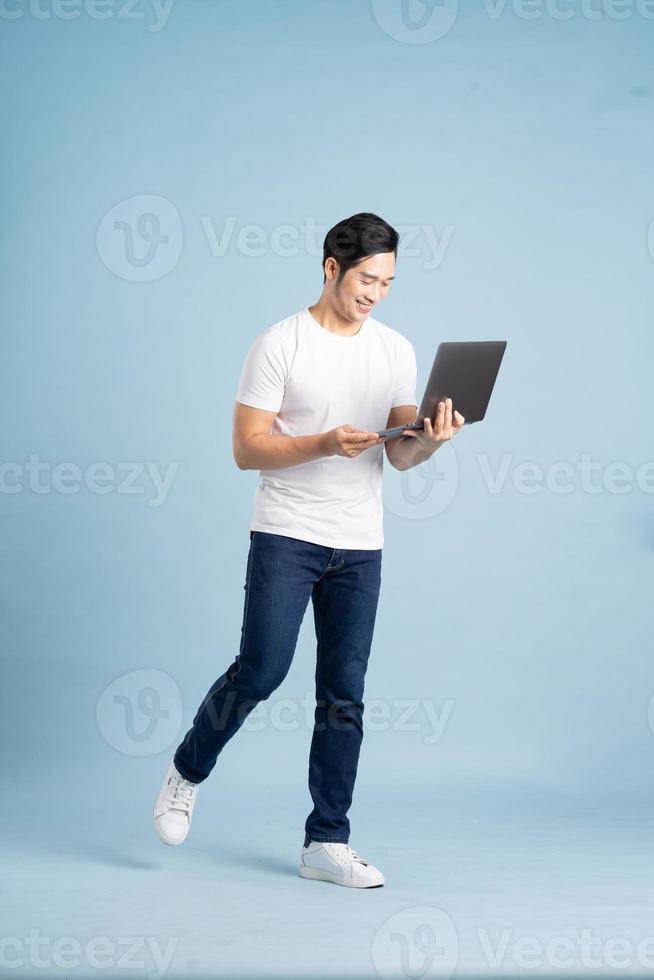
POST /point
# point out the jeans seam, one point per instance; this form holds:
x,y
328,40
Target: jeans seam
x,y
248,577
246,608
318,648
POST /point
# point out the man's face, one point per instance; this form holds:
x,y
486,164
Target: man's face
x,y
363,286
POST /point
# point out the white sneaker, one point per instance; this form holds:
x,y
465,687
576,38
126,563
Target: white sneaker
x,y
338,863
174,807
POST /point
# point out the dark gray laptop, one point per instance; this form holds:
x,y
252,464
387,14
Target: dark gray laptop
x,y
464,371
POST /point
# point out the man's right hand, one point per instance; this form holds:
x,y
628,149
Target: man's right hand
x,y
346,440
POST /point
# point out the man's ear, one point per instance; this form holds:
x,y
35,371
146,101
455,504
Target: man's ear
x,y
331,267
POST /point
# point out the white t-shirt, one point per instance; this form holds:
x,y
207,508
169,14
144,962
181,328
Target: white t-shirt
x,y
316,380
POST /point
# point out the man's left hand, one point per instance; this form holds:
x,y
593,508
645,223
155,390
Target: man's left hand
x,y
445,426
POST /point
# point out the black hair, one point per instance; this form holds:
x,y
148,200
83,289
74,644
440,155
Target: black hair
x,y
357,238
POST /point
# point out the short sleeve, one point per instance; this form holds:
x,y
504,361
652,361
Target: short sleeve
x,y
406,374
263,375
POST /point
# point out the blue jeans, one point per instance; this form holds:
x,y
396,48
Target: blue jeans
x,y
282,573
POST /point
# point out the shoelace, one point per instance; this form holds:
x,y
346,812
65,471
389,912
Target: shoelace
x,y
353,855
181,794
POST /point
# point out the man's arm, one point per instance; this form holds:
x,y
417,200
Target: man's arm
x,y
255,448
401,452
416,445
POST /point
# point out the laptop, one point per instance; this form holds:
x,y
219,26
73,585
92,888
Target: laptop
x,y
464,371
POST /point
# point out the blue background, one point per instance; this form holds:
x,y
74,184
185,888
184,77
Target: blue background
x,y
524,143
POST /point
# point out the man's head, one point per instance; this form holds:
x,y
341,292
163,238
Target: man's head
x,y
359,256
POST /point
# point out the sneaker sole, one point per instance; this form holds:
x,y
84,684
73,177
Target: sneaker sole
x,y
317,874
171,843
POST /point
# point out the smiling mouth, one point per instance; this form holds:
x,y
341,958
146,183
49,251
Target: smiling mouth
x,y
364,307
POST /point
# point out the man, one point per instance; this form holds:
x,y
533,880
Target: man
x,y
316,530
